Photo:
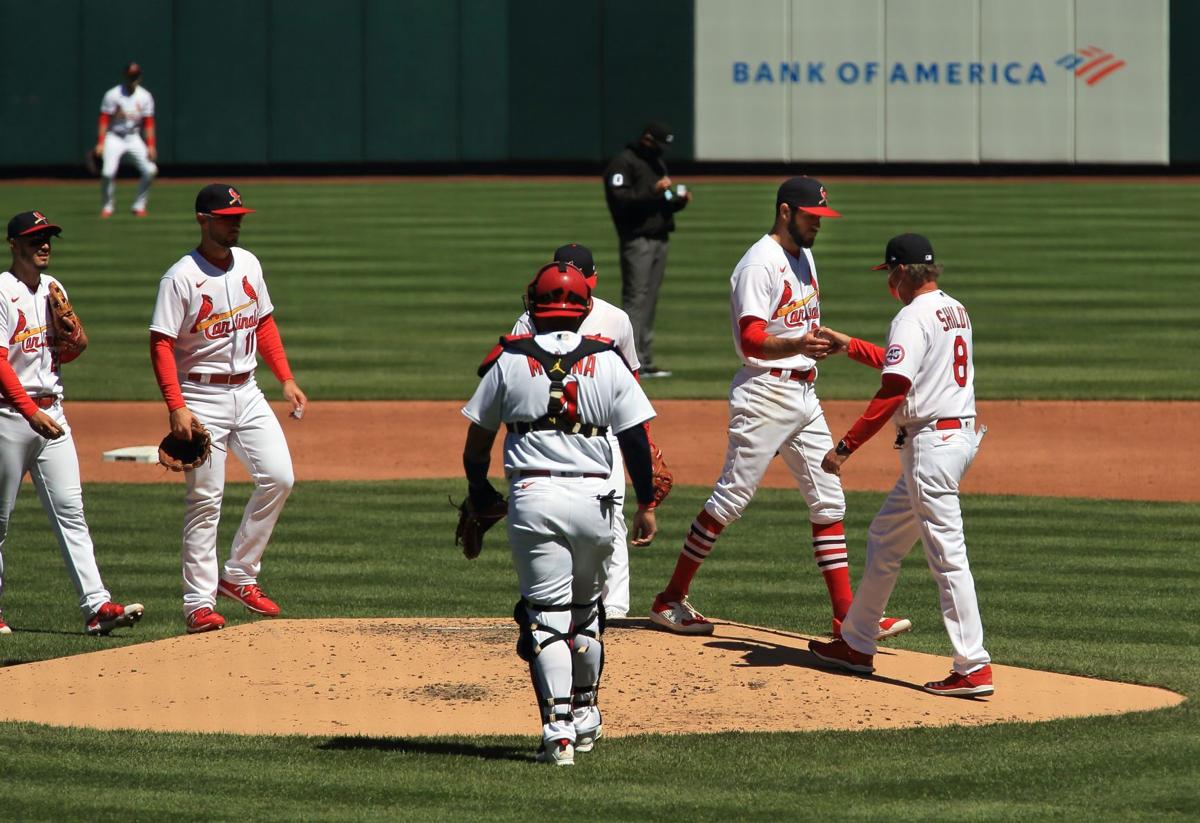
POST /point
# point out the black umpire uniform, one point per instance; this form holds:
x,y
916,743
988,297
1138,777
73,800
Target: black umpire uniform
x,y
643,207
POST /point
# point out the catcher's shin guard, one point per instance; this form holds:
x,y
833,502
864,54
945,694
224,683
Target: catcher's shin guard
x,y
541,629
587,662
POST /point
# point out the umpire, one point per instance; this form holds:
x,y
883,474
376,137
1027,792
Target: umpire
x,y
643,205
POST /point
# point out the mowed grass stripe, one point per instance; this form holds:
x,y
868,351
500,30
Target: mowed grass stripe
x,y
1101,588
1082,280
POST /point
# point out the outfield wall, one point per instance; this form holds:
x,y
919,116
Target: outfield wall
x,y
296,83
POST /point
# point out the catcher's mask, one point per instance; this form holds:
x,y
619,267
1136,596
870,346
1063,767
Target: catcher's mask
x,y
558,290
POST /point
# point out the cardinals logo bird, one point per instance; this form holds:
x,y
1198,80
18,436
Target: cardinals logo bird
x,y
206,308
22,324
249,290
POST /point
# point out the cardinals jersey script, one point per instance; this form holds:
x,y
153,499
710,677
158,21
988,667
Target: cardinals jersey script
x,y
601,390
25,330
222,310
769,283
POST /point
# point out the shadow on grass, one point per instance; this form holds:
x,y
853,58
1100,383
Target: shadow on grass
x,y
417,745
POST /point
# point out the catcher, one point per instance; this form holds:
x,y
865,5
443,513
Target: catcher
x,y
610,321
558,394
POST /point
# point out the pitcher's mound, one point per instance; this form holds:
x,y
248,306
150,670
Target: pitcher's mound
x,y
432,676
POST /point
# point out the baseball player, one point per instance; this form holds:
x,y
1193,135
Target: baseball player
x,y
929,391
126,110
558,394
213,314
34,434
605,320
773,407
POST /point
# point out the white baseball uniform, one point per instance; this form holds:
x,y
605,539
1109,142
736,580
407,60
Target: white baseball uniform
x,y
929,343
52,464
127,112
773,406
562,509
212,315
609,321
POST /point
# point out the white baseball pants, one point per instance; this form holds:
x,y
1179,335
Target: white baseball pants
x,y
924,506
561,534
54,468
768,416
616,567
239,420
116,147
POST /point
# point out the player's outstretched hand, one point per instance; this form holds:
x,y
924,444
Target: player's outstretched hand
x,y
832,462
44,425
814,346
644,528
839,342
298,399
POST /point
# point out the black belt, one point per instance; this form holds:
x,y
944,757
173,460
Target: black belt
x,y
583,429
548,473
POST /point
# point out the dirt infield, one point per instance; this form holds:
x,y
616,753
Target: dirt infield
x,y
405,677
1054,449
402,677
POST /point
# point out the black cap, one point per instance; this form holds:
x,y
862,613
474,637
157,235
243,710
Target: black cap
x,y
31,222
220,198
905,249
133,71
806,194
660,131
578,256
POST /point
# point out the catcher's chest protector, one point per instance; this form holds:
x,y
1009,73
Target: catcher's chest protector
x,y
560,409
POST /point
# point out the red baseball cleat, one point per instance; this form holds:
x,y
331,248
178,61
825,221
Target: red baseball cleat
x,y
113,616
679,616
106,212
888,627
204,619
976,684
839,653
139,212
250,596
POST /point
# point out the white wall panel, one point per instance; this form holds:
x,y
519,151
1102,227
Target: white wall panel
x,y
1032,121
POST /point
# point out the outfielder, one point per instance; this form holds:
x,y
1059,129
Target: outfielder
x,y
34,434
929,391
125,110
604,320
558,394
773,407
212,315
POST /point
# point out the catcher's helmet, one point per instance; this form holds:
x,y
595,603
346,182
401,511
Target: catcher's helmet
x,y
558,290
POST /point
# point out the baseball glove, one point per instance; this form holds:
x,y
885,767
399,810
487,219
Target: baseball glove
x,y
184,455
475,516
664,481
68,329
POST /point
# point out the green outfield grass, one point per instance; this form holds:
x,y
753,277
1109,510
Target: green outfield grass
x,y
395,290
1101,588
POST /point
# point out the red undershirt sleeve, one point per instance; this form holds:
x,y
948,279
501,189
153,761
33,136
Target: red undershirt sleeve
x,y
881,408
162,355
753,335
12,390
151,135
270,346
866,353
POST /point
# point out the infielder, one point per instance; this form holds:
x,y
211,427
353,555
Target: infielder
x,y
605,320
929,391
558,394
773,407
125,110
34,434
213,314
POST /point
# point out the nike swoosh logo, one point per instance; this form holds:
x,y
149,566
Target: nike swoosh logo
x,y
782,269
201,283
15,299
946,437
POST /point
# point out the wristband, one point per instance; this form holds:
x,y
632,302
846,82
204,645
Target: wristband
x,y
843,450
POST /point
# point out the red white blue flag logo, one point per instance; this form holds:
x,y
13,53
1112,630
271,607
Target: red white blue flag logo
x,y
1091,63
